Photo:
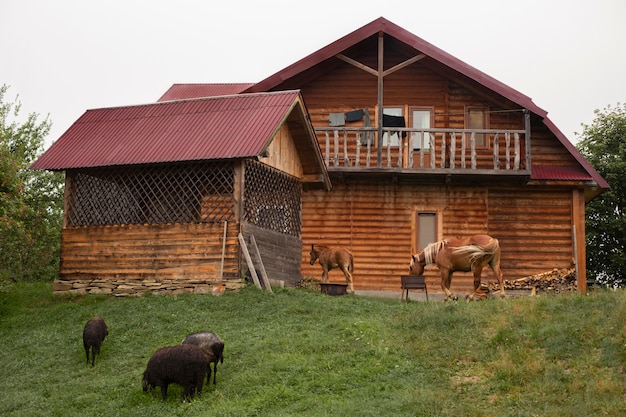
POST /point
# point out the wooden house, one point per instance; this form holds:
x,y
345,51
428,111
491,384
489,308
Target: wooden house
x,y
157,195
415,146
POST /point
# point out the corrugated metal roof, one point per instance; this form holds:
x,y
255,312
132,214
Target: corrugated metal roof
x,y
559,173
186,91
211,128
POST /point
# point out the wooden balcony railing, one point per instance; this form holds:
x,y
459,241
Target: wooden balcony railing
x,y
427,150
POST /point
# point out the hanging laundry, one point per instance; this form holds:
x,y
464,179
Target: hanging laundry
x,y
368,137
354,116
394,121
337,119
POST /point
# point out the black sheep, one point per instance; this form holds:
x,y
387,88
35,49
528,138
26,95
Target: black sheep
x,y
93,335
184,365
212,346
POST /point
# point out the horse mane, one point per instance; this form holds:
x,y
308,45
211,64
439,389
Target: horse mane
x,y
431,251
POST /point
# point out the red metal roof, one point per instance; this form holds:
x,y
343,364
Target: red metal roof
x,y
201,129
559,173
186,91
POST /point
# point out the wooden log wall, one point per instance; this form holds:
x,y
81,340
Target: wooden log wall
x,y
132,259
373,220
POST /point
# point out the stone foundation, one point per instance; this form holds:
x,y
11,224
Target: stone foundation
x,y
137,288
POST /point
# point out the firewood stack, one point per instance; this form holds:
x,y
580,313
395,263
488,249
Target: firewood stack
x,y
551,282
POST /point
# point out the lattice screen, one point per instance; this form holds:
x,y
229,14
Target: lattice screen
x,y
190,193
272,199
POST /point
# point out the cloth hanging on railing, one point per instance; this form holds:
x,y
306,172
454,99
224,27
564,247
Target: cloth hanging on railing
x,y
368,137
394,121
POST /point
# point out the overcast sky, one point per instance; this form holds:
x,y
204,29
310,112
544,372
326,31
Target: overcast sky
x,y
63,57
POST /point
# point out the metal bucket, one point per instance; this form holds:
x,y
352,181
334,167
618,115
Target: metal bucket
x,y
333,289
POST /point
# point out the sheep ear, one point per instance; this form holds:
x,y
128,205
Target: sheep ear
x,y
312,246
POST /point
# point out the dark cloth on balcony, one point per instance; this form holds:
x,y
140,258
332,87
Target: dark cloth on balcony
x,y
394,121
354,116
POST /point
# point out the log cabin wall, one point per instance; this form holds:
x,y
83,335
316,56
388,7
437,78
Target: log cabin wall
x,y
374,219
162,259
282,154
372,216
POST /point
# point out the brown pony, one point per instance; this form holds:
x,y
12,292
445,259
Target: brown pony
x,y
463,255
331,259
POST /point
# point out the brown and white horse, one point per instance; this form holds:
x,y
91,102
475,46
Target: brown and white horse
x,y
331,259
463,255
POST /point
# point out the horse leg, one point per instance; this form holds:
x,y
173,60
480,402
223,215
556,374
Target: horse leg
x,y
495,267
477,273
324,274
446,279
348,275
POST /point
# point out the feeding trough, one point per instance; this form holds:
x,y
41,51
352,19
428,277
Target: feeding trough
x,y
333,289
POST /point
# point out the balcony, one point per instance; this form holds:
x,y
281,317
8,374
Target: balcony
x,y
486,152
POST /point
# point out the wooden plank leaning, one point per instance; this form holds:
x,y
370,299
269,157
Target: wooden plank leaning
x,y
246,254
266,280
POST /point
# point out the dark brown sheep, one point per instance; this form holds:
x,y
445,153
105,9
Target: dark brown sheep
x,y
184,365
93,335
212,346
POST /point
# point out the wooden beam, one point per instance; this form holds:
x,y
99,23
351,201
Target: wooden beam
x,y
357,64
381,67
266,280
527,138
403,64
578,235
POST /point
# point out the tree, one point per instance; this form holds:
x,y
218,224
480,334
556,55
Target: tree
x,y
31,202
603,143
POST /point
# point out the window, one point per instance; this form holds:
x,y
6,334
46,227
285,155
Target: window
x,y
476,118
421,118
391,138
426,225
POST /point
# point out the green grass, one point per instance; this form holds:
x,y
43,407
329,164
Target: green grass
x,y
301,353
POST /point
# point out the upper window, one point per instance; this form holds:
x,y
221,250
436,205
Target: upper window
x,y
421,118
476,118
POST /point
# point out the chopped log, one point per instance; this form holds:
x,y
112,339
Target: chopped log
x,y
554,282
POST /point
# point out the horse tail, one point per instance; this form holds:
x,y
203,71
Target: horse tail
x,y
475,251
351,266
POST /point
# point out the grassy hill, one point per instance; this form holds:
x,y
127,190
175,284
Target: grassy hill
x,y
301,353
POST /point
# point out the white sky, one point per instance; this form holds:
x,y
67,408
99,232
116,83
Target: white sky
x,y
63,57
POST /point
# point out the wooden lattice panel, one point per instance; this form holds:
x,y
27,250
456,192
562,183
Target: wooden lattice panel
x,y
155,194
272,199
